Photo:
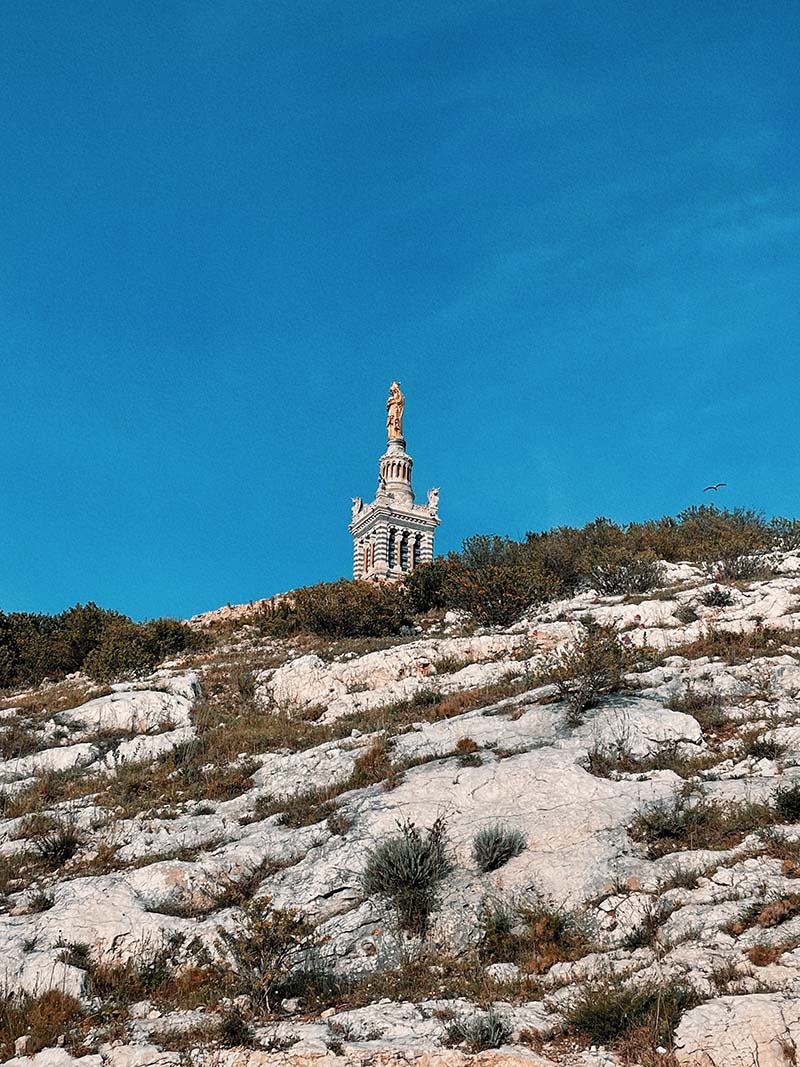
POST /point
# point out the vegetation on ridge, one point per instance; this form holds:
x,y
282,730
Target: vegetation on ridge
x,y
104,644
496,579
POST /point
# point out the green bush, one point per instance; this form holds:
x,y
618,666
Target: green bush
x,y
608,1009
407,870
494,846
350,609
685,823
625,572
787,801
127,648
717,598
498,595
104,643
54,841
532,931
759,747
428,586
496,578
234,1031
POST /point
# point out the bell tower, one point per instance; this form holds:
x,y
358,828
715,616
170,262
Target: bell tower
x,y
393,535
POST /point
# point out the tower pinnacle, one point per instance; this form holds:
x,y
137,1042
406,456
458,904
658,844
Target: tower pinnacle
x,y
393,535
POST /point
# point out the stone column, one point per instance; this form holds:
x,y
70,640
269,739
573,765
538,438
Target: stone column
x,y
391,548
358,559
413,550
405,546
381,551
426,549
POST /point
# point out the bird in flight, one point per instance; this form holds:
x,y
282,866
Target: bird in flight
x,y
719,485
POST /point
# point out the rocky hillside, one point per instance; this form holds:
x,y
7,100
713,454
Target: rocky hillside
x,y
575,841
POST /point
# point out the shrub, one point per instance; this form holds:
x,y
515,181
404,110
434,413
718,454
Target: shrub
x,y
18,739
759,747
717,598
263,950
429,586
609,1009
493,846
496,578
785,534
671,825
407,870
304,809
45,1018
738,646
350,609
705,707
686,614
146,974
54,841
128,648
467,752
531,931
787,801
737,567
624,572
34,647
763,955
779,911
373,765
234,1031
590,669
496,594
480,1032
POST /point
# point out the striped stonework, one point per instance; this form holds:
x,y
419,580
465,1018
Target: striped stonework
x,y
393,535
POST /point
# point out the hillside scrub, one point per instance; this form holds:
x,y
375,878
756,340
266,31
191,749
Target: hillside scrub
x,y
588,670
497,578
262,953
642,1015
45,1019
103,643
349,609
685,823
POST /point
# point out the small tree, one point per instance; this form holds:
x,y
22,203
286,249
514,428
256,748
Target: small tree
x,y
590,669
264,949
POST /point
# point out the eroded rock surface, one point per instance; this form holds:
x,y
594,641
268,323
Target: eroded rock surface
x,y
359,744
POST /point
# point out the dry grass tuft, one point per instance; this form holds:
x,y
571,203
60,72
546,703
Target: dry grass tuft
x,y
44,1018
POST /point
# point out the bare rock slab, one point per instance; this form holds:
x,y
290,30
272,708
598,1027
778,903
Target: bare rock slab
x,y
760,1028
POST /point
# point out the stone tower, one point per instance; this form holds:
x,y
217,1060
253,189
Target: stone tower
x,y
393,535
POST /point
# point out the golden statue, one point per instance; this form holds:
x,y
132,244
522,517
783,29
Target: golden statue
x,y
394,412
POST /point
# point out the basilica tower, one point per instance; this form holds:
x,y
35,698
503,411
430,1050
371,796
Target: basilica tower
x,y
393,535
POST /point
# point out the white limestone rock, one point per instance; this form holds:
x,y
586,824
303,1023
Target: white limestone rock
x,y
135,711
137,1056
386,676
50,760
638,727
56,1057
147,747
102,912
740,1031
328,764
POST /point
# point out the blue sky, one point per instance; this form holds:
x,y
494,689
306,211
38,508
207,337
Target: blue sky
x,y
570,229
